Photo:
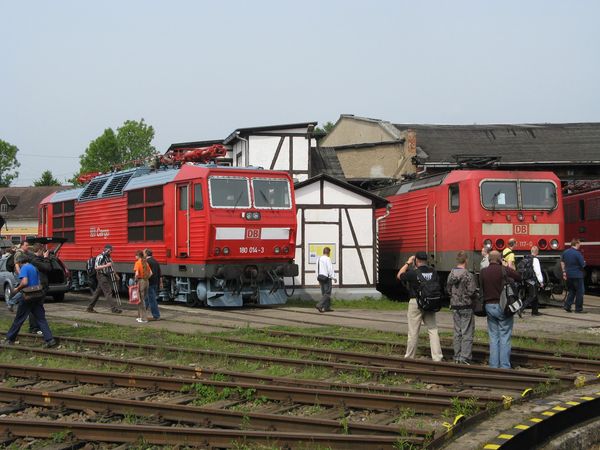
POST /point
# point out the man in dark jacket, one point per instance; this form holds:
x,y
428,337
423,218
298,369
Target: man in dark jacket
x,y
499,325
154,285
573,265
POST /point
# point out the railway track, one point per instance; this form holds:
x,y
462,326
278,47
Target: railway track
x,y
165,401
521,356
422,370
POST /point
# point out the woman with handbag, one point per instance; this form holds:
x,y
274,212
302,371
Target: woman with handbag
x,y
31,295
142,273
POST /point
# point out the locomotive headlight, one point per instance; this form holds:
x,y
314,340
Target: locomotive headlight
x,y
499,244
248,215
226,250
277,250
554,244
286,250
542,243
521,217
217,251
256,216
487,244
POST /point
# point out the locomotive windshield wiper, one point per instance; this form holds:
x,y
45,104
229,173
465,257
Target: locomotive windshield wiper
x,y
265,197
237,200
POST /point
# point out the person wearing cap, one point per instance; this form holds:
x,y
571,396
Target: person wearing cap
x,y
104,273
408,274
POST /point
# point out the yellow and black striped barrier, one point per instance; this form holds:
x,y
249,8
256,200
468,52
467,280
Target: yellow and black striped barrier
x,y
541,426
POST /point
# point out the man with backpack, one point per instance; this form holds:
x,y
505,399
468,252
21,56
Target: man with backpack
x,y
425,301
104,272
531,272
500,323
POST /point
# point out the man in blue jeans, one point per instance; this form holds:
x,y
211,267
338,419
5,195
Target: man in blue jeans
x,y
153,285
29,277
499,326
573,265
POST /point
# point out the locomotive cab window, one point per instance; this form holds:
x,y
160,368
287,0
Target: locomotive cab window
x,y
229,192
538,194
271,193
499,194
453,198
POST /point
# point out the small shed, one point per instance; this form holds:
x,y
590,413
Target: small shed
x,y
338,215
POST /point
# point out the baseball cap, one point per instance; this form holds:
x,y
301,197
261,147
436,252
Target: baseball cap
x,y
421,256
108,247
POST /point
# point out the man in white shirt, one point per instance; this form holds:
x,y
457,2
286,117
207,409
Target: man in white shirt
x,y
533,283
325,275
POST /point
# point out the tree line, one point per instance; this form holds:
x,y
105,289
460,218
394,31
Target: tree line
x,y
125,147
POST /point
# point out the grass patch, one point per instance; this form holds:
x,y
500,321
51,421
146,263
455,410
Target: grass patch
x,y
369,303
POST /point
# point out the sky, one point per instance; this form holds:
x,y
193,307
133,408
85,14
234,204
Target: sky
x,y
198,70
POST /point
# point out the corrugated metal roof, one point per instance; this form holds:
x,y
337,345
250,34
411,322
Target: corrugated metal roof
x,y
151,179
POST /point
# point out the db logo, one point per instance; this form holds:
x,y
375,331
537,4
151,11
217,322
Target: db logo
x,y
252,233
521,229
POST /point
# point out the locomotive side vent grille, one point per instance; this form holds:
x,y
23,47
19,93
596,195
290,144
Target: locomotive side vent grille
x,y
91,191
116,185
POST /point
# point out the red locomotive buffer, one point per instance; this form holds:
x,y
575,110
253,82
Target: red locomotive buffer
x,y
223,236
582,220
467,210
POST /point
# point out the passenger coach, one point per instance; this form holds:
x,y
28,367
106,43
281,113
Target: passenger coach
x,y
469,210
223,236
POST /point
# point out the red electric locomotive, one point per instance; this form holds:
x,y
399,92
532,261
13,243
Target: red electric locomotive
x,y
582,220
468,210
224,236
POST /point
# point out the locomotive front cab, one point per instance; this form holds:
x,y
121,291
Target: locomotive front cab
x,y
528,210
251,239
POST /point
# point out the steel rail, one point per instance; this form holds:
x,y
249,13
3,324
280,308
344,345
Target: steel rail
x,y
445,372
202,437
519,355
393,361
289,394
202,416
262,384
509,380
369,362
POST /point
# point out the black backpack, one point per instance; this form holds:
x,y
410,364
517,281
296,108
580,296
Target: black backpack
x,y
525,268
429,292
91,267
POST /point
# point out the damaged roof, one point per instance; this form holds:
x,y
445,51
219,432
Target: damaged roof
x,y
577,143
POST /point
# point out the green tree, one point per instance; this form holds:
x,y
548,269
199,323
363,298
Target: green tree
x,y
47,179
134,141
131,143
8,163
321,132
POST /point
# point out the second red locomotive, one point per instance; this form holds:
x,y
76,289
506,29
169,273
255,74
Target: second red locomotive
x,y
582,220
468,210
223,236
